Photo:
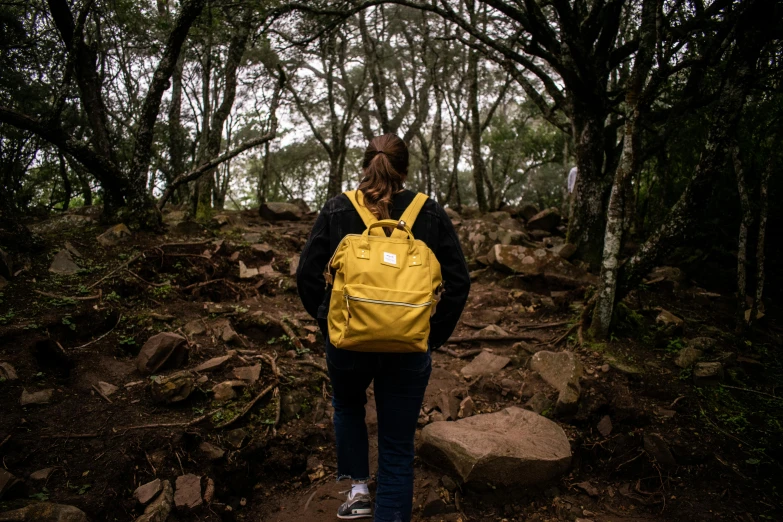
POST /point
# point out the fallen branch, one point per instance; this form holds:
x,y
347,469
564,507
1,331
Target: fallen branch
x,y
248,406
187,424
753,391
103,395
204,283
8,437
461,355
123,265
493,338
71,436
544,325
55,296
137,276
313,364
101,337
568,332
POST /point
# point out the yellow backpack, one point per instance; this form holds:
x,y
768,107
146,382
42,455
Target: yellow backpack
x,y
384,289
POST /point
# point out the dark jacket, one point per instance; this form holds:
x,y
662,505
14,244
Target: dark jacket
x,y
339,218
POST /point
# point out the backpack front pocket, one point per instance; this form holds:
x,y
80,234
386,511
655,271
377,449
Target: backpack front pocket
x,y
380,316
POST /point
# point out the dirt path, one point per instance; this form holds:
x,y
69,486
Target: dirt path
x,y
647,444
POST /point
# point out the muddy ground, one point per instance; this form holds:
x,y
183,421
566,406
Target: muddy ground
x,y
721,446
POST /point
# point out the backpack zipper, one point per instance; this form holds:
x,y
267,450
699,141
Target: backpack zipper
x,y
378,301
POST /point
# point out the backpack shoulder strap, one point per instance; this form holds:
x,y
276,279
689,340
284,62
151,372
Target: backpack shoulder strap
x,y
357,200
411,213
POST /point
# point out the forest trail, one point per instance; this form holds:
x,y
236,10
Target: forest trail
x,y
646,443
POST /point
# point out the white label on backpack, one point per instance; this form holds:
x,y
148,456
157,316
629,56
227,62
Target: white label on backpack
x,y
390,258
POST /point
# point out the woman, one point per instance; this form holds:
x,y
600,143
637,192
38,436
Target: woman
x,y
400,378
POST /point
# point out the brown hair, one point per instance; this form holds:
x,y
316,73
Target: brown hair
x,y
385,169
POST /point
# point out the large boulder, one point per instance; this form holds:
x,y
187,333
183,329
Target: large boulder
x,y
512,447
165,348
63,264
479,236
280,211
160,508
562,371
114,235
546,220
45,512
528,211
538,262
168,389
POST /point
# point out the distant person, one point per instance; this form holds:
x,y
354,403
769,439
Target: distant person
x,y
572,180
572,174
400,376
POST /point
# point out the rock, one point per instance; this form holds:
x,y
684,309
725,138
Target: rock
x,y
223,330
245,272
705,344
9,484
148,491
164,349
512,447
434,505
657,448
528,211
547,220
213,364
225,390
666,274
669,323
160,508
454,216
211,452
540,235
280,212
539,403
42,474
449,405
687,357
561,370
3,282
262,250
63,264
525,348
485,363
106,388
492,331
448,483
226,220
187,494
538,262
588,488
235,438
293,264
604,426
566,250
466,408
249,374
209,491
114,235
45,512
511,224
477,236
302,204
168,389
481,318
706,373
7,372
194,327
39,397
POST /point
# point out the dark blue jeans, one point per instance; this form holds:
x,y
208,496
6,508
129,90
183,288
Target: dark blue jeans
x,y
400,381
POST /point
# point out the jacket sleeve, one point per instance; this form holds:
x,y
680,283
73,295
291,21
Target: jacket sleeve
x,y
310,282
456,280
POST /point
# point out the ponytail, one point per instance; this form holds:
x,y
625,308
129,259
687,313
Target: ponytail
x,y
385,169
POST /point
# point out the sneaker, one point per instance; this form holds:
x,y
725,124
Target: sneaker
x,y
357,506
